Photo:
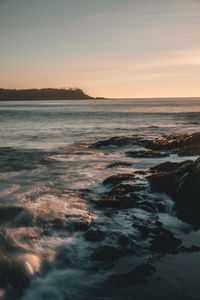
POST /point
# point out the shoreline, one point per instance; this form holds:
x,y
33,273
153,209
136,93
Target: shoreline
x,y
108,99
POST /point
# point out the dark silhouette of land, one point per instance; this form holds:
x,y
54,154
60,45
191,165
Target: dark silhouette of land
x,y
43,94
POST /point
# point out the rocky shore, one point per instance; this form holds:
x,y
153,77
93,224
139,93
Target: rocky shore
x,y
120,234
142,189
179,180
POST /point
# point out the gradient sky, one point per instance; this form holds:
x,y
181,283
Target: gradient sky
x,y
111,48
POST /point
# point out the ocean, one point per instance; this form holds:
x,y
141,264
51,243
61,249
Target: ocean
x,y
50,179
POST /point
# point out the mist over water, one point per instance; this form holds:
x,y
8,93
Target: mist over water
x,y
50,178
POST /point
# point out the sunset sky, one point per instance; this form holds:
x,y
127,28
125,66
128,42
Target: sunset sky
x,y
111,48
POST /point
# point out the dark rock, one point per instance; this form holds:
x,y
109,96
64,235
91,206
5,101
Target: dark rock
x,y
189,249
141,172
118,202
189,215
146,154
166,143
182,144
164,242
128,188
183,185
170,166
144,230
107,253
119,178
190,145
119,164
121,197
135,277
149,206
148,228
117,141
125,242
123,189
94,235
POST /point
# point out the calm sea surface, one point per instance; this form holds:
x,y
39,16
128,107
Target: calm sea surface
x,y
49,180
45,124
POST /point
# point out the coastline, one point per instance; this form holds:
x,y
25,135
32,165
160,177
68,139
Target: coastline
x,y
125,192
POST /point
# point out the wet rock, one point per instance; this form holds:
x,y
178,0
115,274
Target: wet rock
x,y
190,145
189,215
107,253
170,166
146,154
123,189
121,164
138,276
94,235
141,172
149,206
117,141
161,240
145,231
183,185
165,241
189,249
182,144
121,197
136,187
119,178
148,228
119,202
126,243
166,143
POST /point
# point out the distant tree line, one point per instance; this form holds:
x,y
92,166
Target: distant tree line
x,y
43,94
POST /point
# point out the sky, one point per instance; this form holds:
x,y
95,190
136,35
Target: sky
x,y
110,48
